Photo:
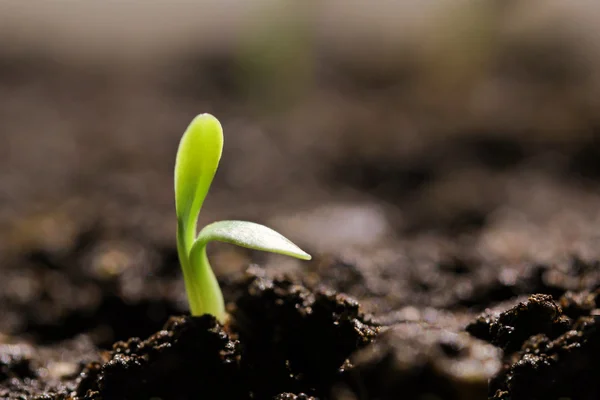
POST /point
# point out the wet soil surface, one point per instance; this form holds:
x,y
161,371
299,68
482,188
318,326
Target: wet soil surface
x,y
468,268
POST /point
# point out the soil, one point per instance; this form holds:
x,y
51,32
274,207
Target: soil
x,y
466,269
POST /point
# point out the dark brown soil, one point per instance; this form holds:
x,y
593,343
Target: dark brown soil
x,y
283,337
466,267
288,340
550,347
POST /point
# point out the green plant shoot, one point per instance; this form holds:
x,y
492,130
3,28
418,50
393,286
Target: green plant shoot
x,y
197,161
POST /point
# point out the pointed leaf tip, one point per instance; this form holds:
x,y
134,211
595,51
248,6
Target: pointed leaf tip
x,y
252,236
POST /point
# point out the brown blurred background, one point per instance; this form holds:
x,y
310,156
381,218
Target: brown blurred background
x,y
348,124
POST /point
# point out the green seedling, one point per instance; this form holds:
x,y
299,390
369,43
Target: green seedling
x,y
197,161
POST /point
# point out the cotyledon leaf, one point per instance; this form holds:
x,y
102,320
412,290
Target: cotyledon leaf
x,y
197,161
249,235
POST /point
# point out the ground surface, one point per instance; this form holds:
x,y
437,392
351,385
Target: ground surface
x,y
455,265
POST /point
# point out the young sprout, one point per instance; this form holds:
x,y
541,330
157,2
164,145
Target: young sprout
x,y
195,166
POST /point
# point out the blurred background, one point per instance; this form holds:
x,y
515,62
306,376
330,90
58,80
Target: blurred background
x,y
369,132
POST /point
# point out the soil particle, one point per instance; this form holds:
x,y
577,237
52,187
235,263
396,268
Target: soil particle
x,y
43,372
540,314
290,396
414,361
575,305
294,339
554,369
294,343
431,270
113,289
547,347
190,356
15,362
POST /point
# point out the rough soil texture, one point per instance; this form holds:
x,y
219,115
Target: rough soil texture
x,y
550,346
285,338
451,266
